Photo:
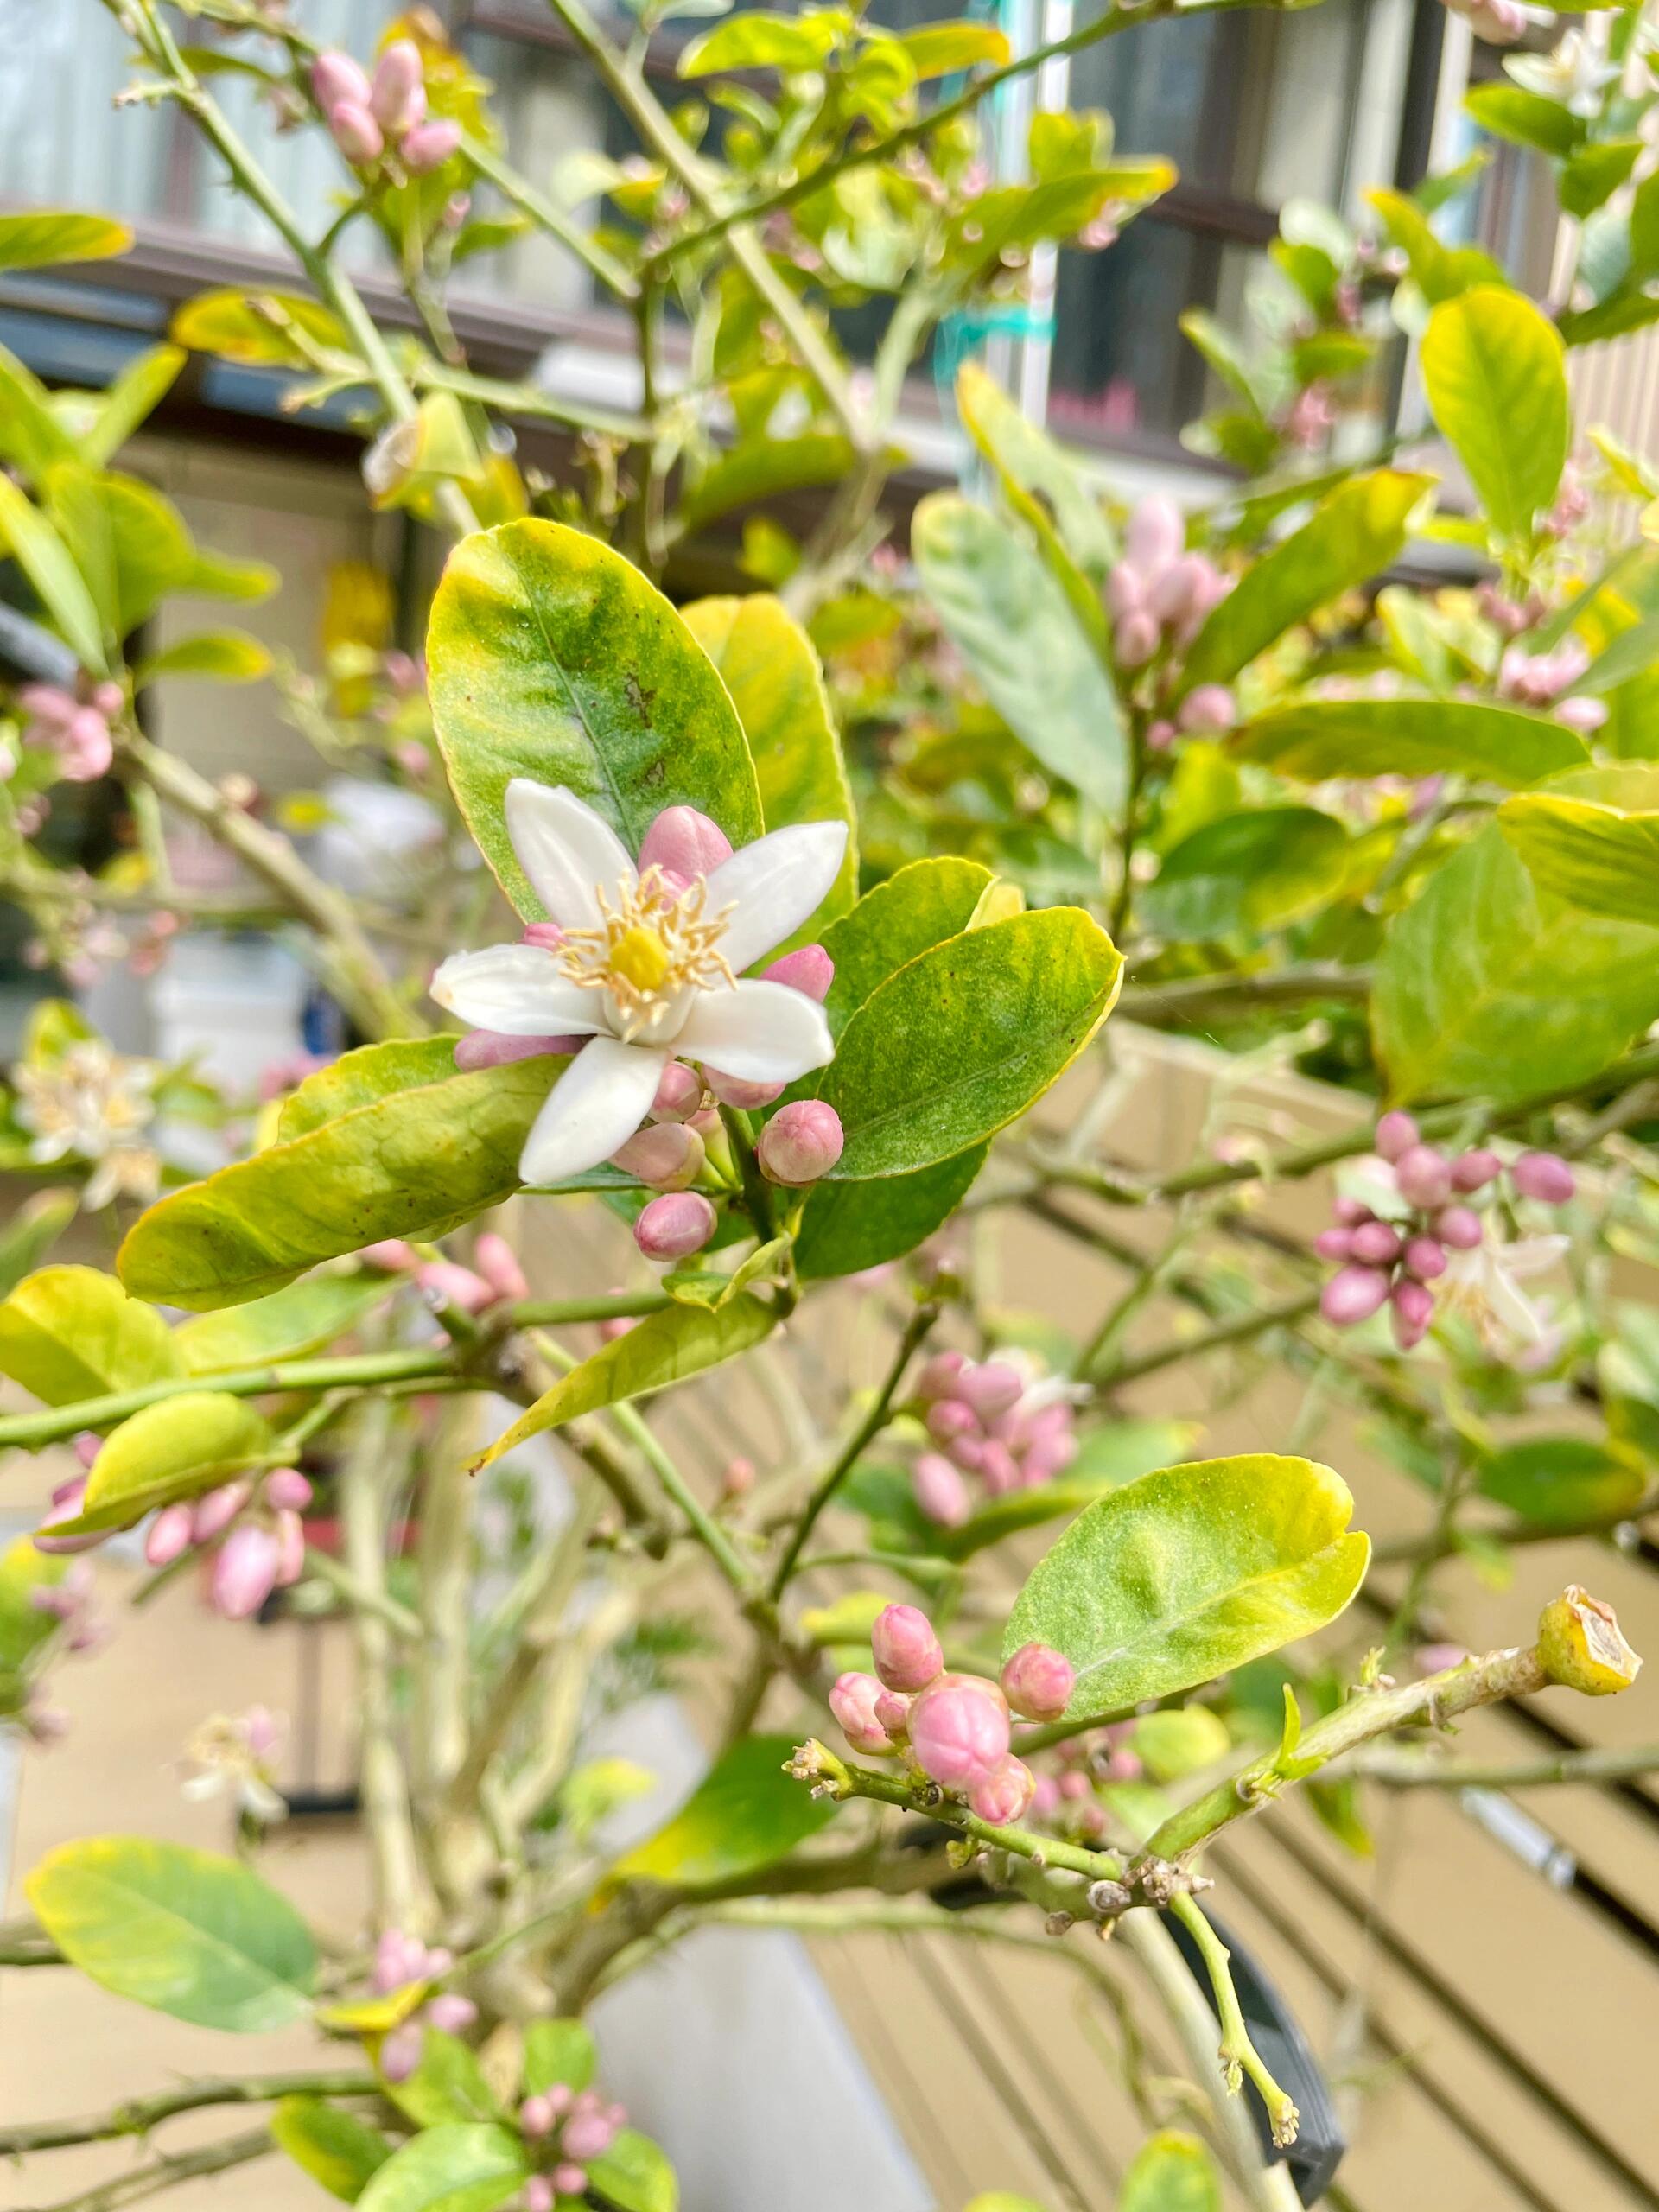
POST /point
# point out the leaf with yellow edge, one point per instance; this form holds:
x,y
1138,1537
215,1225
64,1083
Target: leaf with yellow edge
x,y
743,1814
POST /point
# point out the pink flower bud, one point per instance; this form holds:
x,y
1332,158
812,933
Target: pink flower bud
x,y
1038,1681
86,750
940,1490
1545,1176
1044,1460
1374,1243
686,842
288,1488
1334,1244
1350,1211
356,133
939,1376
567,2180
1125,591
1073,1785
217,1510
1413,1302
497,1263
1396,1134
1584,714
291,1549
679,1094
546,937
992,1388
811,971
1175,593
959,1731
667,1155
67,1500
535,2117
108,699
739,1477
1046,1797
490,1048
1424,1177
245,1572
48,703
948,1419
892,1713
400,2053
561,2097
336,77
1162,734
1134,640
998,1469
399,1960
1425,1258
397,99
853,1702
906,1651
168,1536
450,2011
731,1091
1004,1796
1473,1170
967,1452
588,2135
1353,1294
1207,707
1156,535
392,1255
428,146
1458,1226
450,1284
801,1143
674,1226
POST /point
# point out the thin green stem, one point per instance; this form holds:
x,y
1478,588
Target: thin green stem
x,y
140,2114
169,2173
1399,1768
1238,2055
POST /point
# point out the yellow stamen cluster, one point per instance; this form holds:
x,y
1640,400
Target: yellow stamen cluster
x,y
653,945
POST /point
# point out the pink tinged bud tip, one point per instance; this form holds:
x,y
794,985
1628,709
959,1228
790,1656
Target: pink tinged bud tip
x,y
811,971
427,146
1156,535
1207,707
1004,1796
684,843
391,1254
1544,1176
397,99
450,2011
959,1731
1134,640
739,1477
1375,1244
731,1091
108,699
679,1094
1353,1294
167,1537
991,1389
356,133
1349,1212
853,1702
1334,1244
588,2135
490,1048
497,1263
907,1653
244,1572
567,2181
535,2117
1424,1177
801,1143
939,1376
1413,1303
667,1155
400,2054
1038,1681
336,77
65,1506
1425,1258
673,1226
949,1418
1473,1170
286,1487
215,1512
1396,1134
892,1711
450,1284
940,1490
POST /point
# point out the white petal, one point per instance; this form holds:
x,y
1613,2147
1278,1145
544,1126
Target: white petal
x,y
1531,1255
567,850
775,883
517,989
761,1032
596,1105
1514,1308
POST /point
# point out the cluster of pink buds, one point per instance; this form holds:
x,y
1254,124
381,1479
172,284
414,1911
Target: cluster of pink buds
x,y
1511,616
401,1961
1544,680
1159,595
258,1532
572,2127
496,1276
1311,417
1396,1261
364,119
75,725
1065,1800
988,1419
955,1729
80,1630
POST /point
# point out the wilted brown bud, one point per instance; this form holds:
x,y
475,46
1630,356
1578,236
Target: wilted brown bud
x,y
1582,1647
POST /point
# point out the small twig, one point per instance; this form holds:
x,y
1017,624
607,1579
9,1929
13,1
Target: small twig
x,y
140,2114
167,2173
1238,2055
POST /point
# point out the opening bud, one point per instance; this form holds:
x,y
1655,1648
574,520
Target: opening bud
x,y
1006,1794
397,99
684,843
811,971
679,1094
667,1155
907,1652
336,77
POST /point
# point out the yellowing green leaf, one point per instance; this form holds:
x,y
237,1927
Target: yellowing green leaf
x,y
1316,740
743,1814
176,1448
71,1333
457,2168
634,2175
1494,370
1173,2172
214,656
917,907
45,560
332,2146
46,237
1599,854
1255,869
304,1318
254,327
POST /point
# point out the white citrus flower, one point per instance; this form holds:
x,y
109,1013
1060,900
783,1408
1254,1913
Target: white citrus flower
x,y
237,1757
92,1104
1575,74
1485,1284
648,967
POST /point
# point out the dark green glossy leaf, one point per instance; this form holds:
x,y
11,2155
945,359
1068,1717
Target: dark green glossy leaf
x,y
1562,1481
848,1227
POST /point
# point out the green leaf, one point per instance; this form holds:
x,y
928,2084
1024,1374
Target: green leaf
x,y
176,1448
764,468
1489,987
1182,1741
416,1163
634,2175
555,2051
1253,870
130,400
1002,2199
552,657
130,544
1494,370
72,1332
757,40
305,1318
942,49
1526,119
743,1814
47,237
218,656
1315,740
447,2085
450,2169
35,1227
183,1931
1173,2172
1015,626
708,1288
1599,856
31,437
967,1037
766,661
1042,482
45,560
917,908
1349,537
24,1627
848,1227
1560,1481
361,1077
1174,1579
662,1349
253,327
1593,175
333,2146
